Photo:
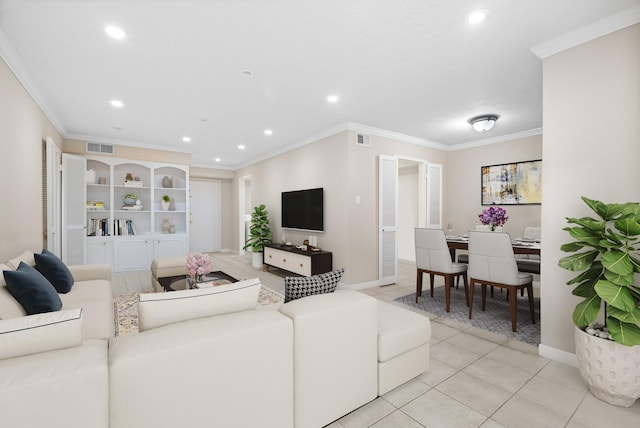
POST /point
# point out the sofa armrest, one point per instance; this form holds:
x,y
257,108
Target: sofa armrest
x,y
89,272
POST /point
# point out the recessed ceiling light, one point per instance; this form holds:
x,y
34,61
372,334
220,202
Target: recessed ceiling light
x,y
115,32
268,132
332,98
477,16
217,159
247,73
241,147
186,139
117,103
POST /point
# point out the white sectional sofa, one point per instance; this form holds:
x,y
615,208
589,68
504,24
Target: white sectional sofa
x,y
304,364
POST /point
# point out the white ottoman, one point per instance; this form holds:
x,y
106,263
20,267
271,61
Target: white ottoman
x,y
167,266
403,345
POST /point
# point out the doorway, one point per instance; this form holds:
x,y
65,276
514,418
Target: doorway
x,y
244,211
204,215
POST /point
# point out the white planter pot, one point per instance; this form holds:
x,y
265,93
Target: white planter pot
x,y
164,205
610,369
256,260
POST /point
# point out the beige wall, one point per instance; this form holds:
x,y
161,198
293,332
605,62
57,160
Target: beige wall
x,y
23,127
462,184
591,147
345,170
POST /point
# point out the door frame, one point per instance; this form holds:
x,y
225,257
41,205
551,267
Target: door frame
x,y
242,187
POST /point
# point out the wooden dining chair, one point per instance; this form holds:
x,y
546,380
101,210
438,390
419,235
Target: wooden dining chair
x,y
492,263
433,257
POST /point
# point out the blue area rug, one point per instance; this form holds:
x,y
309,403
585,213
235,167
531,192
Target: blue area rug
x,y
496,318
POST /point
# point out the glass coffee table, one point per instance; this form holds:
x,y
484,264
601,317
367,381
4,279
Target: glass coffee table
x,y
185,282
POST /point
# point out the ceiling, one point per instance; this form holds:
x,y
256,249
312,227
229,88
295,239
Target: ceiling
x,y
414,67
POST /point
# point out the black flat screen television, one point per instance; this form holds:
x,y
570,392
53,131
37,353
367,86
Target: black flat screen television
x,y
303,209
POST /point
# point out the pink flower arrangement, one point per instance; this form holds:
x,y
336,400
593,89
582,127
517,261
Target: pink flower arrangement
x,y
494,217
198,265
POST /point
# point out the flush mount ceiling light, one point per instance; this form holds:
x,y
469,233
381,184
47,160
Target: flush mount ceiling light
x,y
241,147
484,122
268,132
117,103
217,159
186,139
332,98
115,32
477,16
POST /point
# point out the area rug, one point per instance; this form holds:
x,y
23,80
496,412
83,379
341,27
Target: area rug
x,y
496,318
125,309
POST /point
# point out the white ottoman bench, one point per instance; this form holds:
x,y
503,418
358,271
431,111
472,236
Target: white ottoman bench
x,y
167,266
403,345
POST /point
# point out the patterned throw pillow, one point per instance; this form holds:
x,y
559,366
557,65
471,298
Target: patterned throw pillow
x,y
296,287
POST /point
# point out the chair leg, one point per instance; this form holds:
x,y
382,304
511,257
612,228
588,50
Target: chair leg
x,y
471,287
447,291
531,305
492,291
466,287
457,282
484,296
418,285
513,295
431,278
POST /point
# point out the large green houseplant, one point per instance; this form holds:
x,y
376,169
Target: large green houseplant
x,y
259,233
606,253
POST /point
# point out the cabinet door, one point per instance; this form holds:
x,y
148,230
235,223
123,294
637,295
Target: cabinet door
x,y
99,251
73,209
132,254
165,247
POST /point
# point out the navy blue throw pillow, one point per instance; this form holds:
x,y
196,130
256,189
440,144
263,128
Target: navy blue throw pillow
x,y
52,268
32,290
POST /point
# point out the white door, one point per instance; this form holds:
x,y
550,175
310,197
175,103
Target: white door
x,y
387,219
73,209
204,215
434,196
54,161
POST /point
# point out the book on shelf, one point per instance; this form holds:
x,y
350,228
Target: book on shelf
x,y
133,183
132,207
98,227
95,205
122,227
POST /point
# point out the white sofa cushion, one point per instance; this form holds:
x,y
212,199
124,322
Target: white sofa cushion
x,y
4,267
26,256
158,309
400,330
39,333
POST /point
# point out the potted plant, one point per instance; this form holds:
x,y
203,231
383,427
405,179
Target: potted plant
x,y
260,234
130,199
165,202
606,254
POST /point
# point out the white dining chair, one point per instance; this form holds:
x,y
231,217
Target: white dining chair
x,y
530,263
433,257
492,263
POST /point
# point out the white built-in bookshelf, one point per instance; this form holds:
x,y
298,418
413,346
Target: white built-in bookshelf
x,y
125,236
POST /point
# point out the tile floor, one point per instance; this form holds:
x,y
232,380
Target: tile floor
x,y
476,378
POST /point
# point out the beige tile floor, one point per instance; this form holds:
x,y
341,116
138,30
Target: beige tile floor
x,y
476,378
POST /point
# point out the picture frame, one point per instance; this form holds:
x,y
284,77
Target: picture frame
x,y
518,183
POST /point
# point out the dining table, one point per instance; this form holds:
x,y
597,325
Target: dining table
x,y
520,246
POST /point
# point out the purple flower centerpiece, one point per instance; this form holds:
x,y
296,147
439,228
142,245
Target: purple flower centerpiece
x,y
494,217
198,265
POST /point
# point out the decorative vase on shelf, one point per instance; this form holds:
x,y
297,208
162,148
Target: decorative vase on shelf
x,y
166,181
165,225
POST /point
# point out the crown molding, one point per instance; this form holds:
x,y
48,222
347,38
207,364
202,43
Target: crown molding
x,y
370,130
308,140
13,61
587,33
495,140
127,143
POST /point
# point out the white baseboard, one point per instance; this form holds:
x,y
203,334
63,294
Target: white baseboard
x,y
359,286
558,355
